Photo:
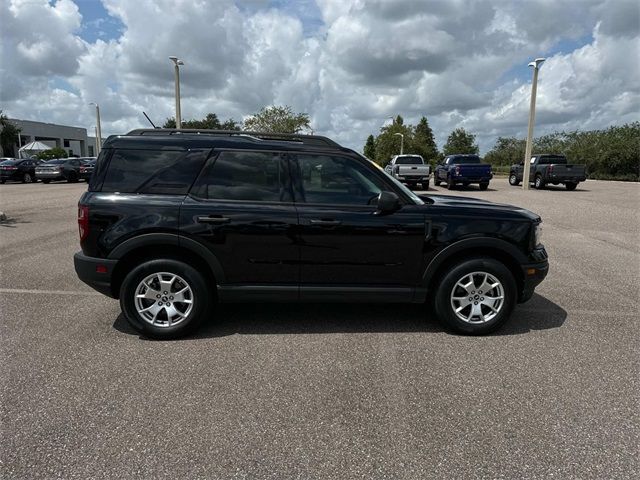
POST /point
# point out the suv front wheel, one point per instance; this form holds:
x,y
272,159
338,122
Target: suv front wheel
x,y
165,298
476,296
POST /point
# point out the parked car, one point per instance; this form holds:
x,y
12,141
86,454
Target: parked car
x,y
21,170
552,169
463,169
410,169
86,167
59,169
171,224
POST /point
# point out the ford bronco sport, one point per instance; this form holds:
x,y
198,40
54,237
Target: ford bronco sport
x,y
176,220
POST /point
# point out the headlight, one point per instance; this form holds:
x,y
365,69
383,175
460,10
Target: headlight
x,y
537,235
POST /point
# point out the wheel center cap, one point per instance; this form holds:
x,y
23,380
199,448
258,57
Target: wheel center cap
x,y
477,297
164,299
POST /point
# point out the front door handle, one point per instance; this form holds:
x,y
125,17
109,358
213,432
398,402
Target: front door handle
x,y
326,223
215,219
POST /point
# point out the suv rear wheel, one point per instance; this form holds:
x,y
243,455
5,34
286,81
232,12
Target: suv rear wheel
x,y
165,298
476,296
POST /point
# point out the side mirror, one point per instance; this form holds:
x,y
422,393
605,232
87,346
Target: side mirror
x,y
388,202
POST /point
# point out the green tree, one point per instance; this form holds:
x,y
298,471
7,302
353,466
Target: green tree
x,y
277,119
8,135
55,152
210,122
423,142
506,151
459,141
388,143
370,148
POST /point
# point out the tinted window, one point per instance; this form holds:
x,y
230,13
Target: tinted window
x,y
152,171
338,181
464,160
254,176
409,161
57,161
557,159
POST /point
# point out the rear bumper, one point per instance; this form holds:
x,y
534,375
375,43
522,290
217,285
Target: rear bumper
x,y
11,176
533,275
49,175
565,179
413,178
87,269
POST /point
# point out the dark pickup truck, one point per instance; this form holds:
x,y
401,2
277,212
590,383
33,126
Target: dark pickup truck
x,y
463,169
552,169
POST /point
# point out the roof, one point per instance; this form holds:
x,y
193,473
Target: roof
x,y
192,138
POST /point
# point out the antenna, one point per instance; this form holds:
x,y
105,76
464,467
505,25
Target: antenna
x,y
147,117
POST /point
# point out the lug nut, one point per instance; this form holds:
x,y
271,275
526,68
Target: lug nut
x,y
166,293
475,303
170,298
479,291
160,303
158,296
482,299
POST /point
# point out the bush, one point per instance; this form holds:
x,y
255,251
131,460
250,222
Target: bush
x,y
52,153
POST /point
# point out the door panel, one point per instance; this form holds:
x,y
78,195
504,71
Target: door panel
x,y
241,209
342,239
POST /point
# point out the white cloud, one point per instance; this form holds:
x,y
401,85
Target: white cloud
x,y
460,63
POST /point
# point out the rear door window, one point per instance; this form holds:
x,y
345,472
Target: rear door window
x,y
153,171
247,175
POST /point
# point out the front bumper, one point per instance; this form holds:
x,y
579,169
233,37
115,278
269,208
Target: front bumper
x,y
95,272
533,274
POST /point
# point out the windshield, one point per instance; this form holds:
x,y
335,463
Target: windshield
x,y
409,161
9,162
57,161
405,190
464,160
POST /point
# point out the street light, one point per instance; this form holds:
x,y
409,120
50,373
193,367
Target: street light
x,y
98,129
401,142
532,116
177,62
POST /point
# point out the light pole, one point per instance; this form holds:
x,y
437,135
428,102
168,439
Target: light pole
x,y
532,117
401,142
98,129
176,63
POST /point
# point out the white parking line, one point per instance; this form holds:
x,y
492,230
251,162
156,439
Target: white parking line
x,y
49,292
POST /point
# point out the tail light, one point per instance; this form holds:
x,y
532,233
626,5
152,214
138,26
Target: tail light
x,y
9,168
83,221
550,169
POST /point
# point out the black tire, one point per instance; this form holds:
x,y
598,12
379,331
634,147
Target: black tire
x,y
27,178
202,298
484,185
443,303
538,183
46,180
436,182
425,185
3,182
513,180
72,178
466,184
570,186
450,183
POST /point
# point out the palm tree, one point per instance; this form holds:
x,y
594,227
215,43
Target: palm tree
x,y
8,135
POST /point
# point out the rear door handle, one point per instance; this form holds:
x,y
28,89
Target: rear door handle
x,y
215,219
326,223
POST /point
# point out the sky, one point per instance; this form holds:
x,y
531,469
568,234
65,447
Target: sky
x,y
349,64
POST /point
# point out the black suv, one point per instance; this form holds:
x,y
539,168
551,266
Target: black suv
x,y
175,221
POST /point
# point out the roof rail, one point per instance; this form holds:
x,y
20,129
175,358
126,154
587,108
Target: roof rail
x,y
257,136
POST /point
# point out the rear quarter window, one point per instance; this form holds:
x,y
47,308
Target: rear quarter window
x,y
153,171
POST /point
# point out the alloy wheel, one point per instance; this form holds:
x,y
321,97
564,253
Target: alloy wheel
x,y
477,297
163,299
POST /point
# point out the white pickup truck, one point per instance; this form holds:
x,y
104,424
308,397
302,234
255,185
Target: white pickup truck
x,y
410,169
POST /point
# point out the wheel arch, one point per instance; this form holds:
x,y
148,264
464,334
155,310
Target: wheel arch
x,y
498,249
163,245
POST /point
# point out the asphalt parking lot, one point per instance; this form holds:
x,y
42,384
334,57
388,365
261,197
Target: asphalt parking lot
x,y
325,391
